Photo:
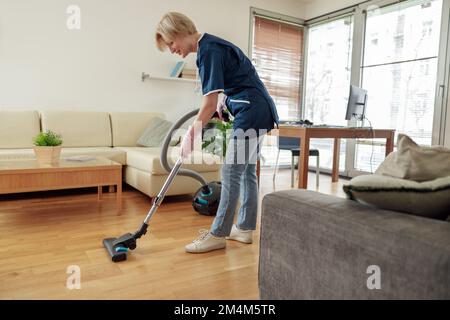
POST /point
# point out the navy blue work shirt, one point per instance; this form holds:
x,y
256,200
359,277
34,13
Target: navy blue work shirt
x,y
223,67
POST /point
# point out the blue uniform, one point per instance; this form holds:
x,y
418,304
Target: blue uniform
x,y
223,67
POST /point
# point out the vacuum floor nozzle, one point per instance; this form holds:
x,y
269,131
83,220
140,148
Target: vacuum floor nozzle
x,y
116,252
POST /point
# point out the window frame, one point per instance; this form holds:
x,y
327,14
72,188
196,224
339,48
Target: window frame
x,y
283,19
441,116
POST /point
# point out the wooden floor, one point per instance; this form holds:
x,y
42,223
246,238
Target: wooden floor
x,y
44,233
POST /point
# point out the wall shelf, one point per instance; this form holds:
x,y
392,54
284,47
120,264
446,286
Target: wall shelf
x,y
147,76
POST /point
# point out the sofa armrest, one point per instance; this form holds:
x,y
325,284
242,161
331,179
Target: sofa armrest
x,y
316,246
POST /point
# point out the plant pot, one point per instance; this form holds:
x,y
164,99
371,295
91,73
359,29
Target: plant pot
x,y
47,155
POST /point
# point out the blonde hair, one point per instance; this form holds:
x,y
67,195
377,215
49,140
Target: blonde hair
x,y
173,24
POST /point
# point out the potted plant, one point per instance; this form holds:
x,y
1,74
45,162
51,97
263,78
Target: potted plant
x,y
47,147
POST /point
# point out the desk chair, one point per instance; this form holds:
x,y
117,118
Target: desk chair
x,y
292,144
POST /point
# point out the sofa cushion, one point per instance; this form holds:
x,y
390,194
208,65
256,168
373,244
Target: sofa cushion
x,y
414,162
79,128
148,159
113,154
155,133
428,199
151,184
18,128
127,127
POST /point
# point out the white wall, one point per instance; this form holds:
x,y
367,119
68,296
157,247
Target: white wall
x,y
43,65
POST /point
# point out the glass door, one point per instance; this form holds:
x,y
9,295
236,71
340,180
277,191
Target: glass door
x,y
328,70
399,71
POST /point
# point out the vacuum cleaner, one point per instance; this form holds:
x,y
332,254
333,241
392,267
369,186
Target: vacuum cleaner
x,y
206,199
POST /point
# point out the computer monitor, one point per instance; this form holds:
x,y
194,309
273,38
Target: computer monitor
x,y
357,101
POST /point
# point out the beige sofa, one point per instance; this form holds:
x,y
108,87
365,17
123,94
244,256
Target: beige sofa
x,y
111,135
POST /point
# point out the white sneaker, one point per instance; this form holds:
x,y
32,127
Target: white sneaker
x,y
206,242
245,236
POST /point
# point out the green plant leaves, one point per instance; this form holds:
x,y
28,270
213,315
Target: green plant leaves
x,y
217,143
47,139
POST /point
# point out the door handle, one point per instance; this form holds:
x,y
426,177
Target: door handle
x,y
441,90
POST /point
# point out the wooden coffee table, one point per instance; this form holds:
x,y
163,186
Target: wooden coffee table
x,y
28,175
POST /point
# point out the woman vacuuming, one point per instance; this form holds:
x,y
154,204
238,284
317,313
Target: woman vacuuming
x,y
224,68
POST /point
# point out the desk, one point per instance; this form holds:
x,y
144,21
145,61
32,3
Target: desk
x,y
336,133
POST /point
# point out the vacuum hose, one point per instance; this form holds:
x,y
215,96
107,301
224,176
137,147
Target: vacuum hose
x,y
165,147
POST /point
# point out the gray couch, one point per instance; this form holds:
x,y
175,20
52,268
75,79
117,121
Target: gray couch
x,y
316,246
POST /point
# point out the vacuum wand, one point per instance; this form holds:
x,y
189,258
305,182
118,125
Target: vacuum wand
x,y
159,198
118,247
